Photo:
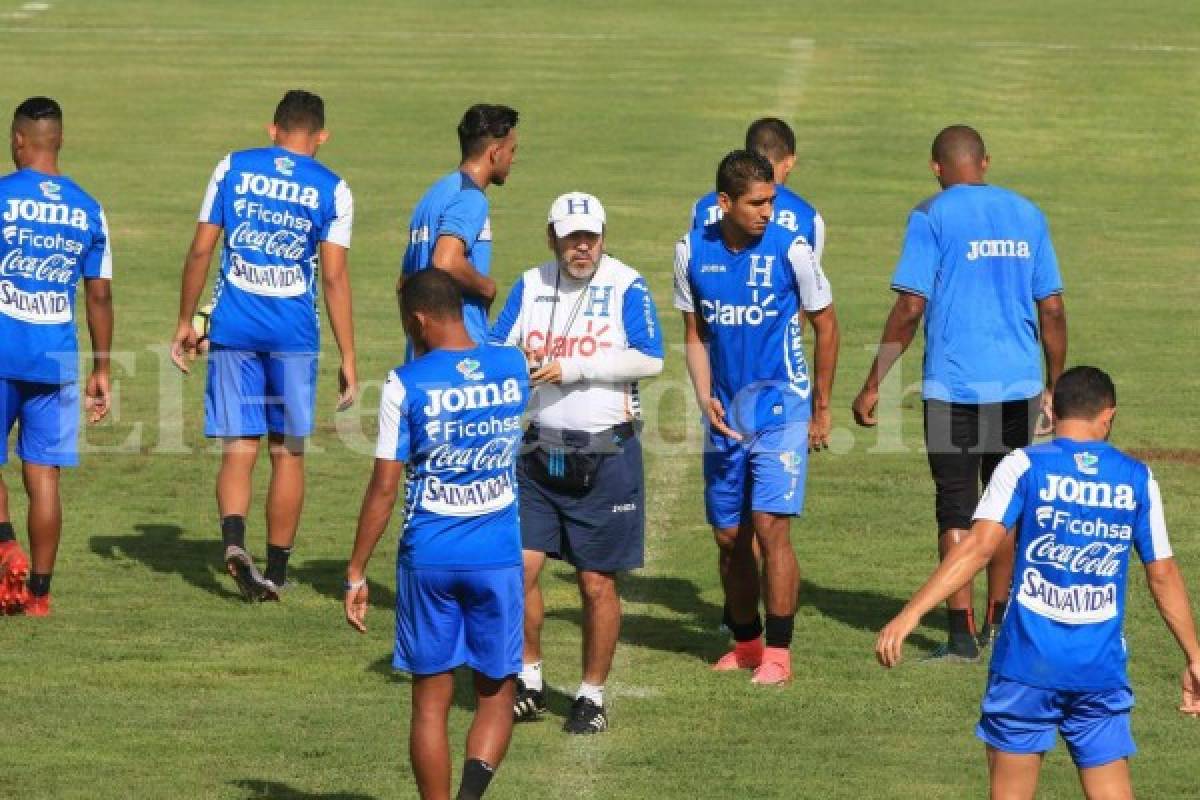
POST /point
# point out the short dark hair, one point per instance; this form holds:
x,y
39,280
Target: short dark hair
x,y
300,111
431,291
741,168
1082,393
771,137
37,108
483,124
958,143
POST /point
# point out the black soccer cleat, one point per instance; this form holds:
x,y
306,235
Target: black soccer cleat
x,y
956,651
585,717
250,582
987,635
529,704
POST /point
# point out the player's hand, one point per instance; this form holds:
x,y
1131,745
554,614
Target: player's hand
x,y
355,603
889,646
864,407
547,373
1191,690
185,345
818,429
98,396
1045,423
347,385
716,418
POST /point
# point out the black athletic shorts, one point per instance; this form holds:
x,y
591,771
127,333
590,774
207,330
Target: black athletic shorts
x,y
600,530
965,442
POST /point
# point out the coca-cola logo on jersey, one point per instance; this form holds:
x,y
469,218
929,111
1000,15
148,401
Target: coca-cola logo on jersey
x,y
55,268
284,245
1101,559
499,453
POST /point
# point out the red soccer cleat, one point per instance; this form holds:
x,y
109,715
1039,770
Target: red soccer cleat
x,y
37,606
14,571
744,655
776,667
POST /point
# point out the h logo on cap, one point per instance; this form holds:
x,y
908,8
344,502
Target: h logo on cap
x,y
578,205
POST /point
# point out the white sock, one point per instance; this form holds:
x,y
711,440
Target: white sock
x,y
531,676
593,693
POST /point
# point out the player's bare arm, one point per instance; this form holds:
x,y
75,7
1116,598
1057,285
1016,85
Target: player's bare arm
x,y
1052,321
898,333
377,505
827,339
700,371
98,292
959,566
195,274
450,256
1171,596
335,283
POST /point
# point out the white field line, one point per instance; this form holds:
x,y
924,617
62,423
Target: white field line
x,y
27,11
795,74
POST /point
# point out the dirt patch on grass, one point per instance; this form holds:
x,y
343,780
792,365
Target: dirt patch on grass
x,y
1189,457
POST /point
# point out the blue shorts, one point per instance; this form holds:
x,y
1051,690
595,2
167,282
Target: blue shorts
x,y
453,618
603,530
1023,719
48,417
250,393
764,472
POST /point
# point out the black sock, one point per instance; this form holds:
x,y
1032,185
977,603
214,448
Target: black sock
x,y
996,612
476,776
7,534
233,531
277,561
779,631
962,623
746,631
39,584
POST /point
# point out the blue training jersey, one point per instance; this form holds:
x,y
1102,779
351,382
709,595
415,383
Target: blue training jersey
x,y
749,308
981,257
790,211
276,208
52,233
454,206
454,417
1078,508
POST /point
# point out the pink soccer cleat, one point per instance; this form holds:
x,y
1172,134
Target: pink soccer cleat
x,y
744,655
776,667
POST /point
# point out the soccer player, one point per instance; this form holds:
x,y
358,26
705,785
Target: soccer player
x,y
450,227
453,416
978,264
54,233
774,139
581,477
276,210
1074,506
745,288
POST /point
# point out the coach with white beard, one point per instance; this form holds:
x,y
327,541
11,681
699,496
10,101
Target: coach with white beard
x,y
590,329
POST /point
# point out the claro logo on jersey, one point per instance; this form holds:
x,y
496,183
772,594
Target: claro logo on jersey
x,y
461,398
278,189
997,248
762,300
44,213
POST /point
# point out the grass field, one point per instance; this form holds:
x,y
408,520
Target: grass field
x,y
152,680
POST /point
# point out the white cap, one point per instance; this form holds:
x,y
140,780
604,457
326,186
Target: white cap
x,y
576,211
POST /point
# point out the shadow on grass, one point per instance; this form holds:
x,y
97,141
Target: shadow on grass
x,y
865,610
163,549
274,790
326,576
557,701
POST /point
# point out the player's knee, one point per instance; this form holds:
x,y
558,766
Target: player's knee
x,y
726,538
597,587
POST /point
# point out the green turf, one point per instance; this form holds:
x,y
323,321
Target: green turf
x,y
151,680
